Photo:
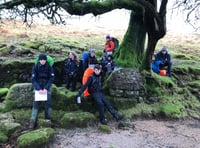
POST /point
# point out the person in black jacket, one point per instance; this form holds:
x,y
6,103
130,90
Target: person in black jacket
x,y
91,60
108,64
164,59
71,70
42,77
95,89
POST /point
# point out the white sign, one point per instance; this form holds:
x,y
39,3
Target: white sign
x,y
40,97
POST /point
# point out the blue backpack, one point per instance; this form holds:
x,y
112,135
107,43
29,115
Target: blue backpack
x,y
85,55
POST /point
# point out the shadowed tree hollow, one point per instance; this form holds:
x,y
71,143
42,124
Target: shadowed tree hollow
x,y
145,21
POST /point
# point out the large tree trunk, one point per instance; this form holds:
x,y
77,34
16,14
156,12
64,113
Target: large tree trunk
x,y
146,64
131,50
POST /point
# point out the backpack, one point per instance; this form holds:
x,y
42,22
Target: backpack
x,y
116,42
49,60
88,72
85,55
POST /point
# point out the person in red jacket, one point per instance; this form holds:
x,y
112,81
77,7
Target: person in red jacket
x,y
109,46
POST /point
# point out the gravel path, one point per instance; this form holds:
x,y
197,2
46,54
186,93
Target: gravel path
x,y
146,134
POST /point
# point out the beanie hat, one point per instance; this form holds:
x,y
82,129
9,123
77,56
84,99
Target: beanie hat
x,y
97,66
92,50
42,57
108,37
164,48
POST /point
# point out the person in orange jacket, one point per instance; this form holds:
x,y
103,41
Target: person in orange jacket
x,y
109,46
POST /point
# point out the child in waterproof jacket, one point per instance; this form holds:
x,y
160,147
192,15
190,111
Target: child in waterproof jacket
x,y
108,64
71,70
94,85
164,59
42,77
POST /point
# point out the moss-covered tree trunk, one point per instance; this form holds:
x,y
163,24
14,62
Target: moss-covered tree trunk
x,y
131,49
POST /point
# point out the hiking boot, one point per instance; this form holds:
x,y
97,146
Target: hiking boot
x,y
32,125
118,117
104,121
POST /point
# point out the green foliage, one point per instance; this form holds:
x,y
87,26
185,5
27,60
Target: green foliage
x,y
3,138
38,138
77,119
105,129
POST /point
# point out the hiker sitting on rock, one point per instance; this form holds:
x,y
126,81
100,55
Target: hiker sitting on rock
x,y
42,78
71,69
94,85
108,64
163,59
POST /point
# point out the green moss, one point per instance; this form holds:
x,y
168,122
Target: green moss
x,y
31,44
194,84
140,109
37,138
21,116
182,56
105,129
43,123
4,51
77,119
3,91
56,115
9,128
3,138
170,110
9,105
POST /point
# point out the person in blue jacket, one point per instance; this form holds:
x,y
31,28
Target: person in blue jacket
x,y
163,59
42,77
71,70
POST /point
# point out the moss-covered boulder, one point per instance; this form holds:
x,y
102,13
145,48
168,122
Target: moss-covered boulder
x,y
19,96
77,119
62,99
3,138
9,128
44,123
39,138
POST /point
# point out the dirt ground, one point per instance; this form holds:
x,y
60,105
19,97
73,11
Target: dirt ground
x,y
146,134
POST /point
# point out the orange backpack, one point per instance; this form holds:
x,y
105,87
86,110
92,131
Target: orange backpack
x,y
86,75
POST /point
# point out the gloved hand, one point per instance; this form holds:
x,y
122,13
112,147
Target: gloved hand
x,y
78,99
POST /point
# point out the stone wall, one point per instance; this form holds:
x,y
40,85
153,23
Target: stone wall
x,y
126,84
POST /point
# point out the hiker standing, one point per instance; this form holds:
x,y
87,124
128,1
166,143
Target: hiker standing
x,y
94,86
42,77
109,46
71,69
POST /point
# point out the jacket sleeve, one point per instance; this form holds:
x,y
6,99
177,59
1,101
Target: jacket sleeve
x,y
51,78
33,78
81,90
111,48
168,58
67,66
